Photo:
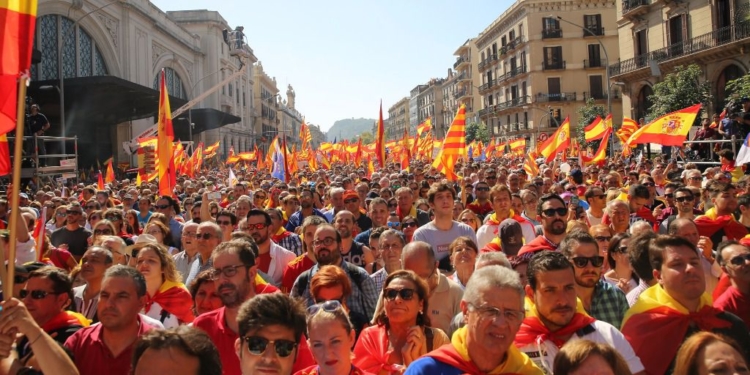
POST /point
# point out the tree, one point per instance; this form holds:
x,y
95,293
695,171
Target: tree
x,y
737,89
477,132
367,138
586,115
680,89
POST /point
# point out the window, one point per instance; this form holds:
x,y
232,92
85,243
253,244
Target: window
x,y
553,88
676,34
596,87
551,28
81,55
593,22
641,43
503,41
230,89
595,57
174,83
553,58
512,35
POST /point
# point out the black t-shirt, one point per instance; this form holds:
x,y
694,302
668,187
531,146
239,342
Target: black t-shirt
x,y
76,240
364,223
355,255
37,122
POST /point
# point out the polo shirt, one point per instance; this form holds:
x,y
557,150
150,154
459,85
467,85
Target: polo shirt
x,y
733,301
292,271
92,356
215,325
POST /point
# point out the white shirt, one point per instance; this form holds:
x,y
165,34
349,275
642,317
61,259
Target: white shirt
x,y
593,220
280,257
25,251
544,354
170,321
487,232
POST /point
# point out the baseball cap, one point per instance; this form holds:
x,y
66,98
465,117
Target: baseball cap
x,y
511,236
350,194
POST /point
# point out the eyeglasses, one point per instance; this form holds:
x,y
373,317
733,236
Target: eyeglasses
x,y
392,246
73,212
224,222
327,306
684,199
162,206
35,294
113,218
103,231
392,204
257,226
648,184
351,200
669,196
603,238
393,224
581,262
227,271
328,241
204,236
740,259
620,249
20,279
489,312
257,345
482,189
550,212
188,235
406,294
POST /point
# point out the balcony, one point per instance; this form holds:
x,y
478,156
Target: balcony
x,y
553,65
600,95
463,77
716,38
459,94
517,71
460,61
592,64
597,30
523,100
556,97
515,43
632,8
551,33
484,63
493,59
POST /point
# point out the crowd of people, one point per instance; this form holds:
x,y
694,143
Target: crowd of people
x,y
632,267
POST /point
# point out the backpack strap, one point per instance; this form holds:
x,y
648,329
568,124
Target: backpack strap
x,y
429,336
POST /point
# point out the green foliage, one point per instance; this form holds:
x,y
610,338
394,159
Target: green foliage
x,y
680,89
367,137
739,87
586,115
477,131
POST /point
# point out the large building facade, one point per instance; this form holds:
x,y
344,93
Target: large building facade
x,y
655,36
430,104
398,119
468,79
536,69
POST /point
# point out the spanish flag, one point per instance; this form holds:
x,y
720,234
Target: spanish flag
x,y
358,153
490,150
380,139
597,128
601,154
454,146
668,130
167,173
17,20
110,176
211,150
5,166
557,143
518,146
405,151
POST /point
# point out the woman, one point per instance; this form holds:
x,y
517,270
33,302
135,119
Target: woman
x,y
203,291
101,228
58,221
463,255
620,273
162,234
167,300
330,336
458,206
131,222
707,353
587,357
403,332
331,283
94,218
469,218
392,204
243,205
423,205
409,225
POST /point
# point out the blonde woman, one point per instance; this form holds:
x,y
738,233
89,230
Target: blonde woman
x,y
167,299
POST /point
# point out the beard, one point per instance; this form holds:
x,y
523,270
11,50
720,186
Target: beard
x,y
587,283
556,230
259,237
232,295
326,257
305,204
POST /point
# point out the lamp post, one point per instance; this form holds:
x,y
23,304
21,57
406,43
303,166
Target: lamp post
x,y
61,86
190,111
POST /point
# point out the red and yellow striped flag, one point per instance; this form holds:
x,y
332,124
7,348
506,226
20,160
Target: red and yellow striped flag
x,y
424,127
529,165
380,139
518,146
304,135
601,154
454,146
110,176
17,20
557,143
668,130
597,128
167,173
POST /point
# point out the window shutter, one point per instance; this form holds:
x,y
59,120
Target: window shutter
x,y
685,36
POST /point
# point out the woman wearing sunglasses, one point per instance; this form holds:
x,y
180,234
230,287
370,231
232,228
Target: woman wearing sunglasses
x,y
409,225
93,219
330,336
167,299
102,228
58,221
620,273
403,331
469,218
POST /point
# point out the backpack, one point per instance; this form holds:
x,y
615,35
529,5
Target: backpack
x,y
357,277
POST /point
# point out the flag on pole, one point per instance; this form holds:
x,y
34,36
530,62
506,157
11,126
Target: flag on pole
x,y
454,146
5,166
167,173
529,165
518,146
100,181
380,139
304,135
668,130
110,176
597,128
601,154
17,25
558,142
743,155
232,179
287,172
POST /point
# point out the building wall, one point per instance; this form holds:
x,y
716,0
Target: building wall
x,y
398,119
266,107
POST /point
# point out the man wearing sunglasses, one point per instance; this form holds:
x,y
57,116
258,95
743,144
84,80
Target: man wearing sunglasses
x,y
554,317
600,299
597,200
208,236
272,258
734,259
306,209
553,215
72,234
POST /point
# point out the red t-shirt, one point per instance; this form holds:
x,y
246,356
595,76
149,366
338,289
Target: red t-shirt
x,y
264,262
214,324
292,271
732,301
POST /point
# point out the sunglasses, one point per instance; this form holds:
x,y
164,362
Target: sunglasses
x,y
570,189
92,207
603,238
620,249
482,189
740,259
72,212
669,196
648,184
581,262
259,197
550,212
257,226
162,206
327,306
257,345
61,214
410,224
406,294
392,204
35,294
492,177
393,224
684,199
103,231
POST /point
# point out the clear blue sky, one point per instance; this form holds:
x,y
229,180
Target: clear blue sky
x,y
342,57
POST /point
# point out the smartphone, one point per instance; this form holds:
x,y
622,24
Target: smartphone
x,y
215,196
574,201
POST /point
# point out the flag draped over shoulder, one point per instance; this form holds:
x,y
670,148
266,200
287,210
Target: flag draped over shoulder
x,y
380,139
167,173
17,22
668,130
454,146
557,143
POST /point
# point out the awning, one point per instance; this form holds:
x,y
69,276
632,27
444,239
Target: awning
x,y
204,119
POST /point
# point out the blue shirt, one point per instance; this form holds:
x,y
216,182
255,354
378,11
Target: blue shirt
x,y
296,219
428,365
364,237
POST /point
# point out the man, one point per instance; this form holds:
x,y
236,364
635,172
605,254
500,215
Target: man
x,y
445,294
327,247
688,230
619,216
501,198
718,224
184,259
552,213
306,210
227,222
676,308
441,231
37,124
602,300
234,270
552,318
493,308
352,204
272,258
289,205
94,265
183,350
337,203
208,236
683,208
481,205
391,243
107,348
169,207
271,336
280,235
743,206
693,178
352,251
305,261
378,212
597,200
405,199
72,235
638,197
514,183
637,251
734,259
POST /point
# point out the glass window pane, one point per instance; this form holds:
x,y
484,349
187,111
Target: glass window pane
x,y
49,47
100,68
85,65
69,48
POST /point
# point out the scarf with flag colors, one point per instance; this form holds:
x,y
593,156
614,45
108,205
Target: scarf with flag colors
x,y
710,223
454,146
65,319
669,130
655,316
533,331
557,143
457,355
175,299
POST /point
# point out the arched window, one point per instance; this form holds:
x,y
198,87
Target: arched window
x,y
174,83
81,56
644,103
729,73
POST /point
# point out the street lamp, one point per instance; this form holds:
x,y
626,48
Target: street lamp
x,y
190,111
61,86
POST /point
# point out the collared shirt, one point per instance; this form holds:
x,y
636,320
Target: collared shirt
x,y
183,263
92,356
608,303
292,243
379,277
634,293
197,267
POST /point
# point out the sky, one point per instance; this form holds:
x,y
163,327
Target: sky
x,y
343,57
